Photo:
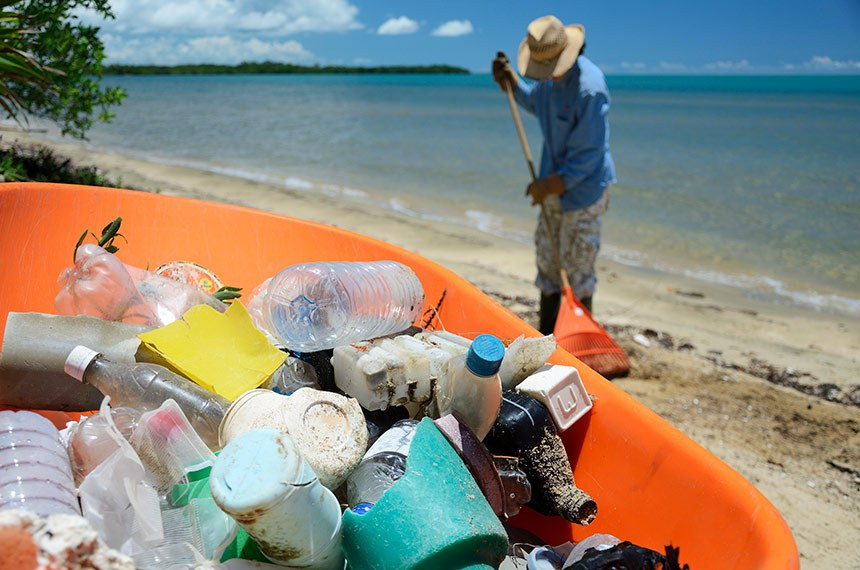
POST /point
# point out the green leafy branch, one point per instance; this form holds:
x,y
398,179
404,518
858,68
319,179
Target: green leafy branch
x,y
109,233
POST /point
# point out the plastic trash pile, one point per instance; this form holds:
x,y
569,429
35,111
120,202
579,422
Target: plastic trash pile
x,y
312,427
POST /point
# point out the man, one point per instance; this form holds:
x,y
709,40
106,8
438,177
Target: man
x,y
571,102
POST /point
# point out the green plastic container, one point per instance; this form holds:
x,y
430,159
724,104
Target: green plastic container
x,y
435,516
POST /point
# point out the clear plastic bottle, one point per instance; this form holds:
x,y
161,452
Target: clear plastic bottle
x,y
471,387
35,474
316,306
146,386
382,465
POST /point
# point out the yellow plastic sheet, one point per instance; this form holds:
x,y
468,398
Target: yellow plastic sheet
x,y
223,352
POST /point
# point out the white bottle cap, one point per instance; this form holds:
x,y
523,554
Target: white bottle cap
x,y
78,361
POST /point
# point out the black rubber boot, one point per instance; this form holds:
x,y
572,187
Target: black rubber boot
x,y
548,312
586,301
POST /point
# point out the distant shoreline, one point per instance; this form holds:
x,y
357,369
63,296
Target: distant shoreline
x,y
277,68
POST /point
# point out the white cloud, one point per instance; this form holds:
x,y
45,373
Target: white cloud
x,y
181,31
454,28
222,49
674,67
825,63
628,66
398,26
219,16
728,65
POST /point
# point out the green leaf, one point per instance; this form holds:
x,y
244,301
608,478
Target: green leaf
x,y
109,232
80,241
226,293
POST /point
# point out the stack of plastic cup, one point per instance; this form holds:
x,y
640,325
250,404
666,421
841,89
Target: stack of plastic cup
x,y
35,474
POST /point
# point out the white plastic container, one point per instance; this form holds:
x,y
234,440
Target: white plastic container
x,y
471,388
329,429
35,474
262,481
561,391
316,306
391,372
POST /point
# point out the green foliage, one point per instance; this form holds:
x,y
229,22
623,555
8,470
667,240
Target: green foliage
x,y
227,294
51,64
41,164
109,233
272,67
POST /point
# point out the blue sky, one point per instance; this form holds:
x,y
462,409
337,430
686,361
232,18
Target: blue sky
x,y
623,36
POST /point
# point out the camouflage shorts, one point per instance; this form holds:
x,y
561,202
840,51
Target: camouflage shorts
x,y
579,241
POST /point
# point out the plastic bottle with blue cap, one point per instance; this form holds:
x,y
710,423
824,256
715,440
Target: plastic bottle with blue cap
x,y
471,388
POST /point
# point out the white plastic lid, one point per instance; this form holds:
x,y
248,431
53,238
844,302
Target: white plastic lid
x,y
78,361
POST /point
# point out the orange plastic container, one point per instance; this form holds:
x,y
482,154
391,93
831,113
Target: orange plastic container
x,y
654,486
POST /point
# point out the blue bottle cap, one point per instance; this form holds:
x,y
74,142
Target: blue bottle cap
x,y
362,508
485,355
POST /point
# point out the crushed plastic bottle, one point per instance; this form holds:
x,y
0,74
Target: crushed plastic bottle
x,y
316,306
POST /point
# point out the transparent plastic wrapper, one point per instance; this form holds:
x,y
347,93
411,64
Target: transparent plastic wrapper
x,y
117,500
91,442
196,531
169,447
316,306
100,285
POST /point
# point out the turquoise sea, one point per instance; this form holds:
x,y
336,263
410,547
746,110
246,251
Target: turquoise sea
x,y
749,181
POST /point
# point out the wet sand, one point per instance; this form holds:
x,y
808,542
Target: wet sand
x,y
771,390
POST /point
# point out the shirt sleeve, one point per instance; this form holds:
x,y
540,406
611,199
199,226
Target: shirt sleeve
x,y
524,93
586,145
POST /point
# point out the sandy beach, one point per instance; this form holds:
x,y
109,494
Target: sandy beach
x,y
771,390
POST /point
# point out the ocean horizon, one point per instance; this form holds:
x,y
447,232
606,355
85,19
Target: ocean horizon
x,y
748,181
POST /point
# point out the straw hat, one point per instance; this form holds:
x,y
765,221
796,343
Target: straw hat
x,y
550,48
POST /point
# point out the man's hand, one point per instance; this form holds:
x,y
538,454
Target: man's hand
x,y
502,72
543,187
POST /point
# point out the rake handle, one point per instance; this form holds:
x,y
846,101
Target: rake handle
x,y
565,282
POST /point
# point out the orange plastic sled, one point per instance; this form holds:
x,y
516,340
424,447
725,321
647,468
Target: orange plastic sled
x,y
654,486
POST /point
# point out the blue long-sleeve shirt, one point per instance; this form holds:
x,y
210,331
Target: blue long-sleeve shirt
x,y
573,117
